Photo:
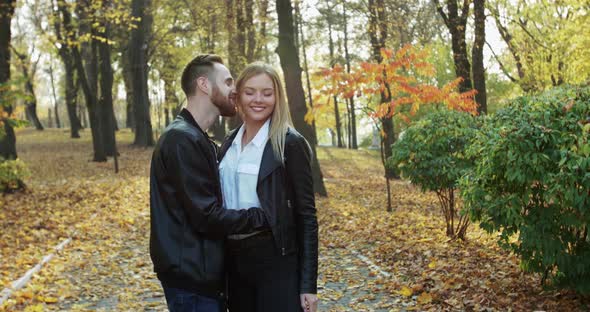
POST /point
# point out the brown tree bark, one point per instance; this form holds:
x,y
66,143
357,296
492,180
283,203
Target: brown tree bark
x,y
126,72
303,47
351,107
106,89
57,120
138,44
71,90
455,19
478,70
31,101
291,69
8,139
235,48
262,43
338,122
378,36
88,83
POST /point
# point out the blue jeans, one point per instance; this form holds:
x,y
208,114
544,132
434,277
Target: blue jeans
x,y
180,300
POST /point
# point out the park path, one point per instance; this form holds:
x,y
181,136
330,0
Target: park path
x,y
124,281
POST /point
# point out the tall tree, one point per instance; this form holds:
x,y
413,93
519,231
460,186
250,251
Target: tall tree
x,y
55,100
8,138
351,107
478,69
378,36
292,71
328,14
455,18
303,46
86,76
107,113
138,45
28,68
67,58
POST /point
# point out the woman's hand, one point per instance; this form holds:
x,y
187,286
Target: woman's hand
x,y
309,302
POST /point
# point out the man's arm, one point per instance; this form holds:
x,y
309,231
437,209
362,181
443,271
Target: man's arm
x,y
193,179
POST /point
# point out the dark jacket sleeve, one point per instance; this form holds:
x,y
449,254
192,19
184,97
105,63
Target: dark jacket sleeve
x,y
195,184
298,164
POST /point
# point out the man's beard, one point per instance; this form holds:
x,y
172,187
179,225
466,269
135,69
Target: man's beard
x,y
223,103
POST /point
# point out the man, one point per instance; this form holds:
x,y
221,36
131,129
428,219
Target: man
x,y
188,222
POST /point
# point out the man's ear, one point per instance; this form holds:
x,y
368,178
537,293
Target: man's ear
x,y
203,84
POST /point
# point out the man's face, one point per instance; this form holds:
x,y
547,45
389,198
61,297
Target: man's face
x,y
223,93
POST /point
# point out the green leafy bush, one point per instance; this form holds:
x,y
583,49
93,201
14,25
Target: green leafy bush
x,y
431,153
12,173
532,179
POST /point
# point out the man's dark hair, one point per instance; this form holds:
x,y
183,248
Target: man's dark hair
x,y
200,66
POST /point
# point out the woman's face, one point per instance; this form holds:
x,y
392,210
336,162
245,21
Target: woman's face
x,y
257,98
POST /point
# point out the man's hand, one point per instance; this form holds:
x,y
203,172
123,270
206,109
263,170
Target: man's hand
x,y
309,302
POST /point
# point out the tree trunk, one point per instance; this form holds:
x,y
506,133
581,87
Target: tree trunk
x,y
128,82
71,96
292,71
456,23
263,43
8,138
250,31
71,89
236,48
31,104
57,121
378,35
49,118
106,91
31,101
170,98
306,68
478,70
88,83
353,144
138,44
332,64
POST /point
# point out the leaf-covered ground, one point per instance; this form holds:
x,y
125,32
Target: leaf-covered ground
x,y
106,266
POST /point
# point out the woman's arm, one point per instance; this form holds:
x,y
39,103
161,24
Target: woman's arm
x,y
298,164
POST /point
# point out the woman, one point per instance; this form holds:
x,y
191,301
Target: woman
x,y
267,164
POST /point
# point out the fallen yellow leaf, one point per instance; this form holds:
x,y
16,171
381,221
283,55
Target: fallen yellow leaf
x,y
432,265
48,299
424,298
405,291
34,308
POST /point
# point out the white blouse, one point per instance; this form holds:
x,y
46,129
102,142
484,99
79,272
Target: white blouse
x,y
239,169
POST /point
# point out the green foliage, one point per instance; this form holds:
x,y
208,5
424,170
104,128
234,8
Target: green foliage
x,y
12,173
431,153
532,178
9,94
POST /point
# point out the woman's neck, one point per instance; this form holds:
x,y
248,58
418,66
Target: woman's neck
x,y
251,128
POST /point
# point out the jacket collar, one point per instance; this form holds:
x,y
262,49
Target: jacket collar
x,y
269,162
259,139
188,117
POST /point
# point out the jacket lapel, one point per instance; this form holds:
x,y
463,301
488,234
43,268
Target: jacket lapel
x,y
269,162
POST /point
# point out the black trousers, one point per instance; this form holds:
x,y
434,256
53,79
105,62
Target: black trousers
x,y
259,278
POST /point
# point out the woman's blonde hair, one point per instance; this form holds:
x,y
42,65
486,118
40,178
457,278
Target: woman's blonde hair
x,y
281,116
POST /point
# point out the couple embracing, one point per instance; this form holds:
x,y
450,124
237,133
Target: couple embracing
x,y
235,224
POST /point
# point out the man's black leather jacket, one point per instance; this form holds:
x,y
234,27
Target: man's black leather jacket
x,y
286,196
188,221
